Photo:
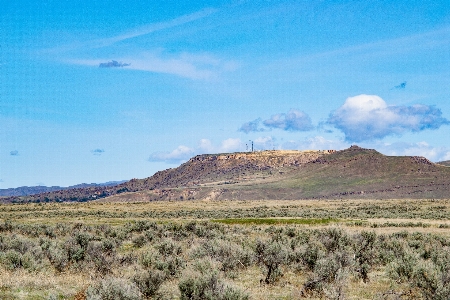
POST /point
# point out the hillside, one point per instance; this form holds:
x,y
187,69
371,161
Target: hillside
x,y
350,173
444,163
31,190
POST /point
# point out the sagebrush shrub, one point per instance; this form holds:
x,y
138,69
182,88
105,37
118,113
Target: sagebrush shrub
x,y
57,257
330,275
366,253
113,289
149,281
231,255
11,259
271,255
196,285
102,261
401,269
139,240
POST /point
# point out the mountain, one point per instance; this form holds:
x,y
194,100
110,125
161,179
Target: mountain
x,y
31,190
444,163
351,173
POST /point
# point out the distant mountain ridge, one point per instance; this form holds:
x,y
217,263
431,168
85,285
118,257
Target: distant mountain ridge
x,y
350,173
444,163
32,190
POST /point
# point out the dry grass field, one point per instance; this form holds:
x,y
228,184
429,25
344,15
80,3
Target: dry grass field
x,y
322,249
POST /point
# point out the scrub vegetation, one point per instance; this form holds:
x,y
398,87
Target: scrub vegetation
x,y
396,249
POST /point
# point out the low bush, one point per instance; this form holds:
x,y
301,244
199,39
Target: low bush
x,y
149,281
271,255
113,289
205,283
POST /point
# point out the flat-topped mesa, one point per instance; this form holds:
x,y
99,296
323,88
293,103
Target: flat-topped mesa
x,y
273,158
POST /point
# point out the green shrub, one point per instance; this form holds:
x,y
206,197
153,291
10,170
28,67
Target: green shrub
x,y
102,261
271,255
12,260
401,269
149,258
231,255
199,286
312,253
330,276
149,281
113,289
139,240
366,254
58,257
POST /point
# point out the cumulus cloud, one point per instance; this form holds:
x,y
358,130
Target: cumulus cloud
x,y
97,151
414,149
252,126
293,120
183,153
230,145
368,117
265,143
113,64
315,143
180,154
14,153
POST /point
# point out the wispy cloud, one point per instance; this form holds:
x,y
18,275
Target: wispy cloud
x,y
134,33
14,153
187,65
396,47
293,120
151,28
368,117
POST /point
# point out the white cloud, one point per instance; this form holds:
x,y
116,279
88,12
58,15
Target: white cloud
x,y
446,156
414,149
180,154
144,30
205,145
230,145
293,120
252,126
368,117
183,153
187,65
265,143
154,28
315,143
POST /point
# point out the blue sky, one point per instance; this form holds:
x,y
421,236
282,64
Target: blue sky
x,y
94,91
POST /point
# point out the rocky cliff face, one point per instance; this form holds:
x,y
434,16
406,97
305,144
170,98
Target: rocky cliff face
x,y
273,159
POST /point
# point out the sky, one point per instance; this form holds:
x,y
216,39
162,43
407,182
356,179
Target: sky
x,y
97,91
